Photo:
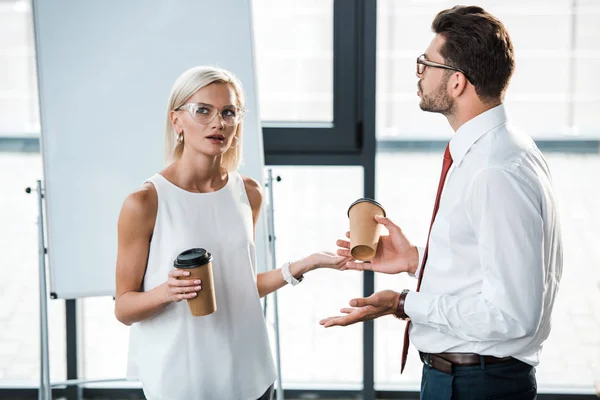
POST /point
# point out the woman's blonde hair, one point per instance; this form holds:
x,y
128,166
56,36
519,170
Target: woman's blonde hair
x,y
184,87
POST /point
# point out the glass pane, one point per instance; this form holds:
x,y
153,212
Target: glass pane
x,y
310,215
420,173
19,115
294,57
105,340
19,284
576,317
587,89
550,96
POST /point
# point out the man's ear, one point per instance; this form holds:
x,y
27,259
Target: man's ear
x,y
458,84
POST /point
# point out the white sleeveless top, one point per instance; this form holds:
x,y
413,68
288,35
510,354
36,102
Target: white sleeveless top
x,y
225,355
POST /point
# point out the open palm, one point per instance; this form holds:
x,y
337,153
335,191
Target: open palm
x,y
365,309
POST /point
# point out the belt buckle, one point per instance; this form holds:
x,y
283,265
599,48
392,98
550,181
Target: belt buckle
x,y
440,364
426,359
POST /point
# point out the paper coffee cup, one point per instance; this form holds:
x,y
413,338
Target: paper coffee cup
x,y
364,230
199,263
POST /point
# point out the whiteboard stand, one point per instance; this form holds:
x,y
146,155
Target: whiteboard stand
x,y
44,392
45,389
279,387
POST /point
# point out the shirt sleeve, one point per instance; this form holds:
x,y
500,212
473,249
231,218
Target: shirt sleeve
x,y
420,251
504,211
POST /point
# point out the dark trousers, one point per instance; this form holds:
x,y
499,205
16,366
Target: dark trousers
x,y
268,394
511,380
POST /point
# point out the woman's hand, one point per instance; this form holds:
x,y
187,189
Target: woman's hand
x,y
322,259
177,288
326,259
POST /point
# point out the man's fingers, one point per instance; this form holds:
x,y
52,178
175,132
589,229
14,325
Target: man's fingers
x,y
343,243
334,321
344,253
361,302
326,321
389,225
352,316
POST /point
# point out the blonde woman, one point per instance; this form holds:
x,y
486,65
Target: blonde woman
x,y
199,200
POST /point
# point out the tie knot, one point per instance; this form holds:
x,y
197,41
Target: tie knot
x,y
447,155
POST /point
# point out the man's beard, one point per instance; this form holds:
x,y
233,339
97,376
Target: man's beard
x,y
439,101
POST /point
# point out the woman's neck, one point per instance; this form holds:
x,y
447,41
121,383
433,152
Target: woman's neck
x,y
198,174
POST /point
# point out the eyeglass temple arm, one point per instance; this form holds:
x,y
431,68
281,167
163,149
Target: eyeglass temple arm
x,y
448,67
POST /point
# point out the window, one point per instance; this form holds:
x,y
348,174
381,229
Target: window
x,y
18,90
307,77
552,93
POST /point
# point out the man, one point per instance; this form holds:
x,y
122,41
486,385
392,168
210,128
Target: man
x,y
489,274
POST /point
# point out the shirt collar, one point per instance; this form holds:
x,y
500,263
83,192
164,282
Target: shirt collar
x,y
473,129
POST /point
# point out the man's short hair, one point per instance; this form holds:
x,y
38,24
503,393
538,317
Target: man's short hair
x,y
478,44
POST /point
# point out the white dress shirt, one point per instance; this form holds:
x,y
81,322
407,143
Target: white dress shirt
x,y
495,250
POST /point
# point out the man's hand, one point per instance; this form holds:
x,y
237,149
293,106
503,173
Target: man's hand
x,y
394,254
365,309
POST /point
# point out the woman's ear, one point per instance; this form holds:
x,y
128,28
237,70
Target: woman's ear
x,y
175,121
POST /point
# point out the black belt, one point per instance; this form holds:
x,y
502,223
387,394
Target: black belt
x,y
445,361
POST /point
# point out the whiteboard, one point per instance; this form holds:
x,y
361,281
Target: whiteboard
x,y
105,69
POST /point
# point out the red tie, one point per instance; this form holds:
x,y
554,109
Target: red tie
x,y
445,168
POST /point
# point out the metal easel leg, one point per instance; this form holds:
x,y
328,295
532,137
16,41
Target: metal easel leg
x,y
278,386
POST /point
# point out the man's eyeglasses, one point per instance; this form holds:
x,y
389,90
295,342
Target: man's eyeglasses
x,y
422,63
205,113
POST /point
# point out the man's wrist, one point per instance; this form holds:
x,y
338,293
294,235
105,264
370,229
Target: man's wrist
x,y
413,263
399,311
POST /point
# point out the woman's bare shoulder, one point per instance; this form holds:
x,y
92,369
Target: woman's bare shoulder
x,y
141,206
254,191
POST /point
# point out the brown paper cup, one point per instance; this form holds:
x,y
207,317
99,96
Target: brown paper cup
x,y
205,302
364,230
199,264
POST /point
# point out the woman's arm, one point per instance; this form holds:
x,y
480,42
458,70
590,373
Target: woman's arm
x,y
135,227
270,281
